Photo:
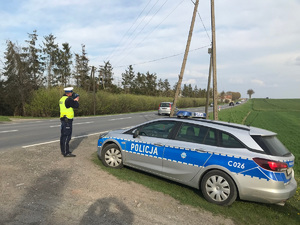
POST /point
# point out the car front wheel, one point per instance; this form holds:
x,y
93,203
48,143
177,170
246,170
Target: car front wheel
x,y
111,156
217,187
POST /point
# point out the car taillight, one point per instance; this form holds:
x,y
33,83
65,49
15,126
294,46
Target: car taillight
x,y
170,106
271,165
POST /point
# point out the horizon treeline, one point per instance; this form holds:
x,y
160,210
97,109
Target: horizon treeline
x,y
26,69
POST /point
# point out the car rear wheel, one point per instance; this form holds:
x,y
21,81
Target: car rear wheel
x,y
111,156
217,187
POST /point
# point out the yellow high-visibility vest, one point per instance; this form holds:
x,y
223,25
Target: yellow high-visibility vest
x,y
64,111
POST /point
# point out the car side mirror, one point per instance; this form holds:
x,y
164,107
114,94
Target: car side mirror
x,y
136,133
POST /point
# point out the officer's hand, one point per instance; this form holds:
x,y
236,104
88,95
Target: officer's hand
x,y
76,99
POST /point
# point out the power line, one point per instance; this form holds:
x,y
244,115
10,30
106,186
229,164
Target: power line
x,y
152,31
122,50
202,23
142,30
154,60
128,31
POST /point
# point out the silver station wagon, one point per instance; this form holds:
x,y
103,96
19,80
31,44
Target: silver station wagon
x,y
224,160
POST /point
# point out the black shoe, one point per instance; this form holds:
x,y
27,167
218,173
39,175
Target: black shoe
x,y
70,155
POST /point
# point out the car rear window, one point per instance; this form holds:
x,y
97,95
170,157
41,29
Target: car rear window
x,y
271,145
164,104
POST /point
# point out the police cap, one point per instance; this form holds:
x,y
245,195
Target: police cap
x,y
68,89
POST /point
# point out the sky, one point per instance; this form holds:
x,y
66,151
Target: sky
x,y
257,41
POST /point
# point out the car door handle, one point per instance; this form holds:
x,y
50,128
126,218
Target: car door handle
x,y
200,150
158,144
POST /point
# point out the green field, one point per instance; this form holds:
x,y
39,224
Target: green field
x,y
280,116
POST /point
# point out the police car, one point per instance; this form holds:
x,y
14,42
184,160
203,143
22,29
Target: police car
x,y
224,160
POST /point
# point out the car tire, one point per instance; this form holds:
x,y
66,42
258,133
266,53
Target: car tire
x,y
111,156
218,187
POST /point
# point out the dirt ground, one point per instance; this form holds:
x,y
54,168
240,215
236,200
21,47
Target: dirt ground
x,y
39,186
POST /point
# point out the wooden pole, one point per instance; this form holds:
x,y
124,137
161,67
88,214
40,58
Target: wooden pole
x,y
208,84
214,62
184,59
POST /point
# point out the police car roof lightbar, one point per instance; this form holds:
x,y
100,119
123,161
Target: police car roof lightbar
x,y
187,114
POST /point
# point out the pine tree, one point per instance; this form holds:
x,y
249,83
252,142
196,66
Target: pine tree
x,y
64,61
106,72
51,52
81,73
151,84
18,85
140,84
128,80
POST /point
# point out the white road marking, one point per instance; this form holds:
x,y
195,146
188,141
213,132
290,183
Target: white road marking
x,y
124,118
74,124
8,131
49,142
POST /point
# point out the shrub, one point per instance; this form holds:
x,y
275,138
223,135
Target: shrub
x,y
44,102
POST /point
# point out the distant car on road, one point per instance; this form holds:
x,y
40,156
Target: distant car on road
x,y
165,108
231,104
223,160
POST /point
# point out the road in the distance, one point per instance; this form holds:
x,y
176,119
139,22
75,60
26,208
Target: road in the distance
x,y
35,132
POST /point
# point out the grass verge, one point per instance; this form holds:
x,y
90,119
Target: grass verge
x,y
280,116
4,118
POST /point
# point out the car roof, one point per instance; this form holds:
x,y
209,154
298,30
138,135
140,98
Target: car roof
x,y
225,126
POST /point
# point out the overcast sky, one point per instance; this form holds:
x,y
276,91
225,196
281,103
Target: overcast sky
x,y
257,41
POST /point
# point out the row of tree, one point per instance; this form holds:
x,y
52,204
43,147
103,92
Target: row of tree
x,y
33,66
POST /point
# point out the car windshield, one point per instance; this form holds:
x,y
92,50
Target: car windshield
x,y
271,145
165,104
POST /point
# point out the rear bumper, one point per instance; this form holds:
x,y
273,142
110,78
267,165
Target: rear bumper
x,y
163,111
267,191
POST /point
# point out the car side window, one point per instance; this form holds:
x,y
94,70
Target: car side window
x,y
196,134
159,129
187,132
228,141
211,137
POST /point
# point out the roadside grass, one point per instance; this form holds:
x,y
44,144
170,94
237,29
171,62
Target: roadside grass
x,y
4,118
280,116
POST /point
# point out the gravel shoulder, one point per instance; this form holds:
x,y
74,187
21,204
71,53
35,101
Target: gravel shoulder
x,y
39,186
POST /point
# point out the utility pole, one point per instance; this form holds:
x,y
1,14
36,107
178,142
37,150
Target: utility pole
x,y
208,84
94,91
214,62
184,59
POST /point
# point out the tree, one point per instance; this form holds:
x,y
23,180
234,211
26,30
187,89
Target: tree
x,y
222,96
51,51
151,84
18,84
106,72
187,90
167,88
64,61
160,87
81,73
234,95
128,80
33,57
250,92
140,84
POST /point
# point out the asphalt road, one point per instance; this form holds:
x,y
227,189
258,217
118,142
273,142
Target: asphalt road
x,y
29,133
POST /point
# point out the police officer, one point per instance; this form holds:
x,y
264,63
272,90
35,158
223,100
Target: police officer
x,y
67,105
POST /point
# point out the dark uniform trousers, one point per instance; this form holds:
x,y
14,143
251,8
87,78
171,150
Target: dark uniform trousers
x,y
66,133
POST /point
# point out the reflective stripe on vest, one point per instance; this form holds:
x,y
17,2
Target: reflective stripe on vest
x,y
64,111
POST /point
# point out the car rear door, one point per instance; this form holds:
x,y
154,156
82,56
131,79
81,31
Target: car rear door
x,y
186,155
